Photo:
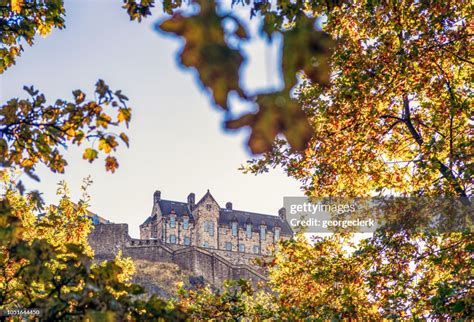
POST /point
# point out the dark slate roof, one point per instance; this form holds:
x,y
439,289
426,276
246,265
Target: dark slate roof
x,y
148,220
180,208
226,216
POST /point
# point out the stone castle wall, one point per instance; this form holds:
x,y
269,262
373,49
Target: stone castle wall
x,y
215,266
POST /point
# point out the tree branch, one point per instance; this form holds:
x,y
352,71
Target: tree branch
x,y
443,169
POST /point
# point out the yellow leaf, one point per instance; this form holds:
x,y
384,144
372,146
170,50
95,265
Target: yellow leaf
x,y
44,29
16,5
27,163
124,115
90,154
124,138
71,132
103,145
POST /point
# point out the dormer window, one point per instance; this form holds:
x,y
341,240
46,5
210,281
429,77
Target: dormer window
x,y
172,221
185,223
262,232
249,230
234,228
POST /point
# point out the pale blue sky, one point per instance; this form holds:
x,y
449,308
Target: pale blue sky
x,y
177,142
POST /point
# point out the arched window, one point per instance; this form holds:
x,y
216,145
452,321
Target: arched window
x,y
172,221
249,230
185,223
234,228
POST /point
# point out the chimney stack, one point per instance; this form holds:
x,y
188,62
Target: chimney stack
x,y
228,206
157,196
282,213
191,200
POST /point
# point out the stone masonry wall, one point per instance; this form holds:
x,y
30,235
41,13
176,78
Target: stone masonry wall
x,y
207,211
108,239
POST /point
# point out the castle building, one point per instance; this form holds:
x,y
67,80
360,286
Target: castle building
x,y
205,224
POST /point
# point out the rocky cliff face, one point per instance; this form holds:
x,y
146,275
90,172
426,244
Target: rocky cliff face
x,y
162,278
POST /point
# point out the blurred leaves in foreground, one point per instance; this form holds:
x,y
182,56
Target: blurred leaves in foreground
x,y
213,39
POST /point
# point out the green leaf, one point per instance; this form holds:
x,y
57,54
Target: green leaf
x,y
90,154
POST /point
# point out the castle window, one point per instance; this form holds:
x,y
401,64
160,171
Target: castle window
x,y
187,240
209,227
211,230
234,229
228,246
172,239
262,232
249,230
208,207
185,223
172,221
241,248
277,234
255,249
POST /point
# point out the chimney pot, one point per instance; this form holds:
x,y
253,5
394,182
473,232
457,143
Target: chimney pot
x,y
157,196
191,200
228,206
282,213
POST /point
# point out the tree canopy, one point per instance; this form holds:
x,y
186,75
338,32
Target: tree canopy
x,y
396,115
